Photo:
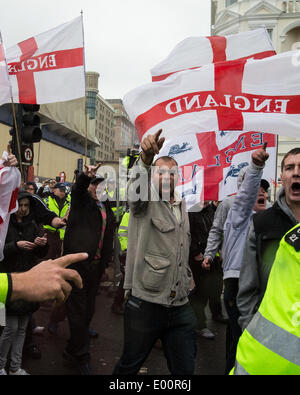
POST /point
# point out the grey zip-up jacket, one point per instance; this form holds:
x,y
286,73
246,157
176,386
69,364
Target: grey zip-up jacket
x,y
157,268
215,237
238,221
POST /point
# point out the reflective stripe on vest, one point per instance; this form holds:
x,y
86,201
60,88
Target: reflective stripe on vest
x,y
123,231
271,342
53,206
3,296
3,287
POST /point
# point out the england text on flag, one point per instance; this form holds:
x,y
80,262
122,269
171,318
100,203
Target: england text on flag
x,y
49,67
194,52
245,95
5,89
209,162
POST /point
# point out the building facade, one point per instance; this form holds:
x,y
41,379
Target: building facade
x,y
101,111
282,20
124,130
68,139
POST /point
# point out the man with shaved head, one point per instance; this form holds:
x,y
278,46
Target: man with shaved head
x,y
265,233
157,276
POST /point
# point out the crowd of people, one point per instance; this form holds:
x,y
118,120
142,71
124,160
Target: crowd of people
x,y
174,264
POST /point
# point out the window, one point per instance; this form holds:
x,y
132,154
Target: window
x,y
270,31
230,2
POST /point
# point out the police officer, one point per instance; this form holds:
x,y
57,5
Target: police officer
x,y
58,202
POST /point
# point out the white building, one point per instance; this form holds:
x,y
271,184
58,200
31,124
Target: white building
x,y
282,20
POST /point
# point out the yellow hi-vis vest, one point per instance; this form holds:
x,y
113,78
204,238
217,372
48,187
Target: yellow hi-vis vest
x,y
111,194
53,206
4,289
123,232
270,345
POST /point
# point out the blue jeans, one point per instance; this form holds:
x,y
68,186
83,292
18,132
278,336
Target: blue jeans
x,y
12,339
145,323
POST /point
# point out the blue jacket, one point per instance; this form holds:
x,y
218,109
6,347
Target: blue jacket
x,y
238,221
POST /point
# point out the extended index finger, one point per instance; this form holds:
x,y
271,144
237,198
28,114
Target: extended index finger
x,y
8,149
67,260
265,145
157,134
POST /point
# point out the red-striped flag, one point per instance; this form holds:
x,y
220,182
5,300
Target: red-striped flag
x,y
10,179
195,52
49,67
244,95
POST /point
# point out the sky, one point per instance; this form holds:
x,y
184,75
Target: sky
x,y
124,39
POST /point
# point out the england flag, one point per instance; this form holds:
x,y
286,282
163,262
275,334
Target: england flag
x,y
240,95
209,162
195,52
10,179
49,67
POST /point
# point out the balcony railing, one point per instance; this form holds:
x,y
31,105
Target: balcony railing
x,y
290,6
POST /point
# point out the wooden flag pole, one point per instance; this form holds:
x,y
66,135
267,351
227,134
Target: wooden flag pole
x,y
85,98
86,130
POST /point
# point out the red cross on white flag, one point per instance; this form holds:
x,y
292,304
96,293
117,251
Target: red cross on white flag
x,y
5,88
209,162
10,179
245,95
49,67
195,52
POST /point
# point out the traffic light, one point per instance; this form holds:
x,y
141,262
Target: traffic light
x,y
30,124
80,165
29,132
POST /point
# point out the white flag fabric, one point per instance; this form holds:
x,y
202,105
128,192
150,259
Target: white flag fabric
x,y
10,180
194,52
5,89
49,67
209,162
245,95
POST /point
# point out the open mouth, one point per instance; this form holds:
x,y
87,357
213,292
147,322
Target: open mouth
x,y
295,187
261,201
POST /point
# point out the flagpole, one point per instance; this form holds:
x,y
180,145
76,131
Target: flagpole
x,y
85,99
13,108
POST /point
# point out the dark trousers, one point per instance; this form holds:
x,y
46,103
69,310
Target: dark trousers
x,y
145,323
208,290
231,287
55,245
80,308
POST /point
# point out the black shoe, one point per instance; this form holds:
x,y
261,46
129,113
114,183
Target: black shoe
x,y
32,352
85,368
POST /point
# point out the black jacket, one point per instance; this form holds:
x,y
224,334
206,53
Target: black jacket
x,y
85,225
200,224
39,211
17,260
